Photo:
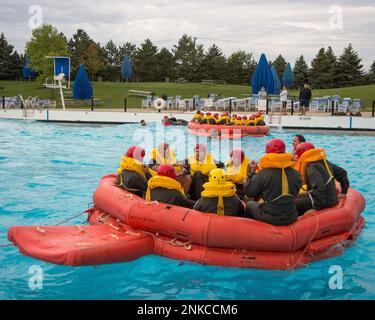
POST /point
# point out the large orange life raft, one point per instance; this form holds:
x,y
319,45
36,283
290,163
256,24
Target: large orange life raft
x,y
125,227
226,132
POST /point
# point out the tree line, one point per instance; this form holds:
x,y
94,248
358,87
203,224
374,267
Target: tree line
x,y
186,59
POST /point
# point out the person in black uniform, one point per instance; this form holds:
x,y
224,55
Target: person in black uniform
x,y
165,188
133,174
318,175
219,196
276,185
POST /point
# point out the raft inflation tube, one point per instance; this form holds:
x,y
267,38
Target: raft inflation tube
x,y
124,227
226,132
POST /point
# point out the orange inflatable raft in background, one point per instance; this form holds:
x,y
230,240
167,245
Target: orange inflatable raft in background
x,y
226,132
124,227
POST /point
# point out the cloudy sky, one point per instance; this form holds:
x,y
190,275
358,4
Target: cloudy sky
x,y
289,27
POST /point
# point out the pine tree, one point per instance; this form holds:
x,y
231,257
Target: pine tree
x,y
371,74
78,47
145,62
301,72
164,65
214,63
188,58
329,77
10,62
280,64
110,58
349,68
318,69
240,67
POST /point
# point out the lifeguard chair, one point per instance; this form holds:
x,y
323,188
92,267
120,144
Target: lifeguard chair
x,y
61,75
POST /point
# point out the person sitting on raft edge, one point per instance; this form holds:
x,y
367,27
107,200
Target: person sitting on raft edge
x,y
318,179
208,119
224,118
198,166
219,196
236,170
166,189
132,173
277,184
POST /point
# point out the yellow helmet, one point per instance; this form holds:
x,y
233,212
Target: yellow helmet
x,y
217,176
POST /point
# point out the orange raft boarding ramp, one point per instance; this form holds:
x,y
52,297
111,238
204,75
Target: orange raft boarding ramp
x,y
125,227
226,132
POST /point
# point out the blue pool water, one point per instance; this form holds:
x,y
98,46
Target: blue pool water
x,y
48,172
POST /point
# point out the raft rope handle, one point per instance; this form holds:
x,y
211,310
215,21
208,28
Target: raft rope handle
x,y
110,235
152,202
312,238
80,228
39,229
174,242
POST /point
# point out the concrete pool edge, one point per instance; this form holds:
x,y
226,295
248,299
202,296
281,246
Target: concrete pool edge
x,y
323,124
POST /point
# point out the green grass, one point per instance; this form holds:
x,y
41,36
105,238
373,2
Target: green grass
x,y
113,94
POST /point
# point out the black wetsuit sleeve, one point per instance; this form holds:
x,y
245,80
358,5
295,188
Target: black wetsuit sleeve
x,y
197,205
241,208
341,176
254,185
316,183
182,201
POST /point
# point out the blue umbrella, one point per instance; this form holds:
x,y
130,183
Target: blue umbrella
x,y
262,76
82,88
126,68
276,80
288,76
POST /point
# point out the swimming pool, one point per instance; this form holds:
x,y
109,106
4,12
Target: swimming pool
x,y
48,173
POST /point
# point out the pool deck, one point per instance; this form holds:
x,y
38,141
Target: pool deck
x,y
321,122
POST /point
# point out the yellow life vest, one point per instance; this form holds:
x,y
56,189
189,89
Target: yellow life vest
x,y
206,119
261,118
131,164
170,159
213,190
251,122
309,156
238,122
278,161
225,118
238,175
205,166
197,116
163,182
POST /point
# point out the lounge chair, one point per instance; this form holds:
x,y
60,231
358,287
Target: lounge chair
x,y
345,105
356,106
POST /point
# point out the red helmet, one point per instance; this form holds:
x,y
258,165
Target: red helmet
x,y
208,113
234,117
252,117
275,146
244,118
302,147
224,114
166,170
136,152
238,153
216,115
166,117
